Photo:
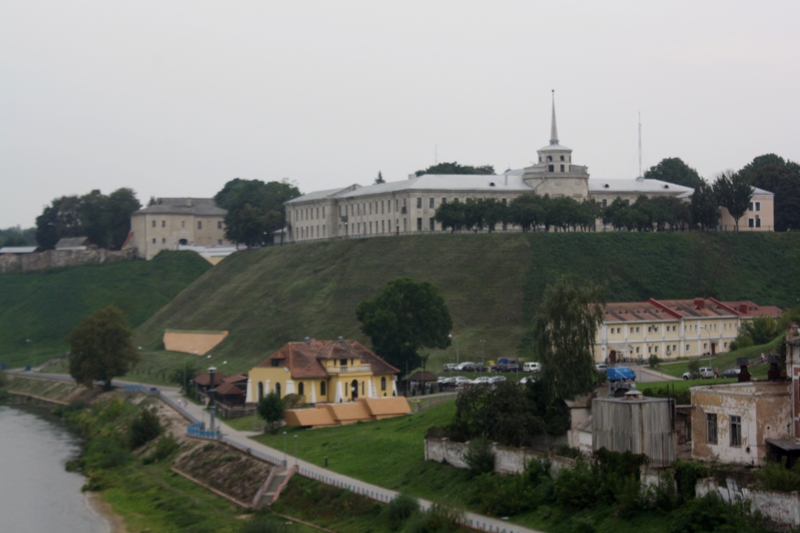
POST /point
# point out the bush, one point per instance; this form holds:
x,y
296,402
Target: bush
x,y
686,475
564,450
144,428
104,451
164,448
270,408
653,361
400,509
438,519
503,495
480,456
775,476
294,401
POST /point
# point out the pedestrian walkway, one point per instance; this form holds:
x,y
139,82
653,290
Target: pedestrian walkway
x,y
240,440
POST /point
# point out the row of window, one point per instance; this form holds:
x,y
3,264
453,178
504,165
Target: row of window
x,y
735,434
755,206
323,388
183,241
674,328
308,213
183,224
754,222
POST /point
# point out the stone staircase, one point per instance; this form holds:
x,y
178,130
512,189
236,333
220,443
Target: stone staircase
x,y
271,489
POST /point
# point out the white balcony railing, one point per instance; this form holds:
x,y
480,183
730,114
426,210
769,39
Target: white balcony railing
x,y
348,369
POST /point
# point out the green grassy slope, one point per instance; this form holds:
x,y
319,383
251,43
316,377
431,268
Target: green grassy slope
x,y
492,283
39,309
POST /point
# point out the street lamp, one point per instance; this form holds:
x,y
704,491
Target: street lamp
x,y
295,449
284,448
483,352
211,406
455,339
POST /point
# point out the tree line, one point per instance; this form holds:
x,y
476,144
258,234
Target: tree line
x,y
105,220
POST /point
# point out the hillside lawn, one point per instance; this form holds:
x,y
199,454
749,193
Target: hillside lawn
x,y
492,283
39,309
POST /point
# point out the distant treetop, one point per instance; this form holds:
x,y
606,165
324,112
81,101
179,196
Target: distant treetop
x,y
455,168
674,170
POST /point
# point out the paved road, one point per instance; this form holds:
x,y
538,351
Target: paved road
x,y
304,468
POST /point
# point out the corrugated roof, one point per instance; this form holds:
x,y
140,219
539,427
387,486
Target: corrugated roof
x,y
674,310
610,186
17,250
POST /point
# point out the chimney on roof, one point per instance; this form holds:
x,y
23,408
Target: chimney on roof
x,y
743,308
774,374
700,303
744,375
308,340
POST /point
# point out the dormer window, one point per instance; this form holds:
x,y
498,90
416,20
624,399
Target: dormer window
x,y
277,363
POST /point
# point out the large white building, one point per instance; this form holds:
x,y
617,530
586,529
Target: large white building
x,y
409,206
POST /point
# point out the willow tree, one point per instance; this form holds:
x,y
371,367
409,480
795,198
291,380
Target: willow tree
x,y
564,333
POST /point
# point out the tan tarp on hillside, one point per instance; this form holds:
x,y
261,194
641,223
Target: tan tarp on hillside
x,y
196,342
362,410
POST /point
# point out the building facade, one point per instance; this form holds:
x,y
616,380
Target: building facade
x,y
732,422
672,328
409,206
323,372
173,222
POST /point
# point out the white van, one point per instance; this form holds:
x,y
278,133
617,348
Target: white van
x,y
531,367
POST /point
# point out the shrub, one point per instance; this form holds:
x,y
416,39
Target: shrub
x,y
400,509
582,525
503,495
294,401
270,408
104,451
694,367
653,361
686,475
438,519
144,428
775,476
164,448
564,450
576,488
480,456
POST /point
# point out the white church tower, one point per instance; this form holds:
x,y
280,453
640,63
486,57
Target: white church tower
x,y
555,174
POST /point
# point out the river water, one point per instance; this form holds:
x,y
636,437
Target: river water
x,y
37,494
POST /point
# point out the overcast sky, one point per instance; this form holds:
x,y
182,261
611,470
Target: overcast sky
x,y
175,98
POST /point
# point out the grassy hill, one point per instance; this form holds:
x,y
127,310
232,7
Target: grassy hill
x,y
493,284
39,309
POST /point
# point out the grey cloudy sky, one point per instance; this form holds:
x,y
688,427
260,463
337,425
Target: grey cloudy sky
x,y
174,98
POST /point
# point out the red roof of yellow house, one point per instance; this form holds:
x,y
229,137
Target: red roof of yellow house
x,y
303,359
669,310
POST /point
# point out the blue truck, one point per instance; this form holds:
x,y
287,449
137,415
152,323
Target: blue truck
x,y
620,373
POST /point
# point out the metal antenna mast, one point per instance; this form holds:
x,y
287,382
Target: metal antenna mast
x,y
640,144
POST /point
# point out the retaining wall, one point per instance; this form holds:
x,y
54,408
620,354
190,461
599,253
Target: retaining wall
x,y
48,259
781,507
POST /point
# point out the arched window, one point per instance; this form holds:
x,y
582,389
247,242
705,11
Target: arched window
x,y
562,157
549,157
260,391
278,389
301,389
323,391
383,383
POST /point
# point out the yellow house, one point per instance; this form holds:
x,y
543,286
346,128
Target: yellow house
x,y
323,371
672,328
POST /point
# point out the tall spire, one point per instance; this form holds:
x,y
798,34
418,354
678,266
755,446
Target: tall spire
x,y
553,129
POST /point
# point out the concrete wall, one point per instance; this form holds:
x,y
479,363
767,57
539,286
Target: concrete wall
x,y
60,259
781,507
506,459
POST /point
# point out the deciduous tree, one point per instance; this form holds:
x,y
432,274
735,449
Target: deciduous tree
x,y
270,408
404,318
733,193
704,207
101,348
455,168
255,209
674,170
564,333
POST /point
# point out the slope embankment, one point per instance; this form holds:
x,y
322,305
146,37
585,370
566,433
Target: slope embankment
x,y
492,283
39,309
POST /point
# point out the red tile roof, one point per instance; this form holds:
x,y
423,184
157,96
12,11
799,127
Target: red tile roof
x,y
204,379
673,310
303,359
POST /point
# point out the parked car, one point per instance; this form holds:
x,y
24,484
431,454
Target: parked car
x,y
620,373
531,367
506,367
474,367
449,367
601,367
527,379
706,372
458,381
460,367
445,381
732,373
482,380
494,380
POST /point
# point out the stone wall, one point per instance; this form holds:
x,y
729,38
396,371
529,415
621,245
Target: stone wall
x,y
781,507
59,259
506,459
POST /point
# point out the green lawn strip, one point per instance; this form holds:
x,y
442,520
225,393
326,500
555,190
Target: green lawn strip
x,y
721,362
246,423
